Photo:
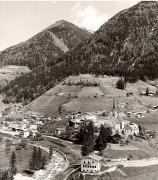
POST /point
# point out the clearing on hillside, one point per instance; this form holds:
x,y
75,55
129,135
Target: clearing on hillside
x,y
46,104
90,92
9,73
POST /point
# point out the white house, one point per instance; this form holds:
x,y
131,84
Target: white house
x,y
26,133
91,163
32,126
89,116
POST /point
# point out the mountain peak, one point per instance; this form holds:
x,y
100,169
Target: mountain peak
x,y
46,46
59,23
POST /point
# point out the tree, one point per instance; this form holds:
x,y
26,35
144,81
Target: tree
x,y
43,163
147,91
33,160
60,109
114,104
81,133
6,175
39,158
101,141
109,134
105,136
120,84
12,163
88,140
50,152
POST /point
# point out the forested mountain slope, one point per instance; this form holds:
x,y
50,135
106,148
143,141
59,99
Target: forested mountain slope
x,y
45,47
125,45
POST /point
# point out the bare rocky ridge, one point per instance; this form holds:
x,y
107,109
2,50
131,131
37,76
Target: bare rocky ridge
x,y
59,43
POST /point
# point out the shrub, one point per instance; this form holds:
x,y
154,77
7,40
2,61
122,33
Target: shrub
x,y
120,84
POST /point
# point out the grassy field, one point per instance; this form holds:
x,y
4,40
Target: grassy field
x,y
102,103
145,173
112,91
47,104
88,105
65,90
150,121
92,98
147,100
90,92
139,86
116,154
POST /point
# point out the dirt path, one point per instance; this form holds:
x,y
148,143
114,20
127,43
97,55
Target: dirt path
x,y
122,148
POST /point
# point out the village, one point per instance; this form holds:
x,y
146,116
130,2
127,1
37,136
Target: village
x,y
23,128
118,121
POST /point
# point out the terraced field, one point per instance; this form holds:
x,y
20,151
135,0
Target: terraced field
x,y
89,93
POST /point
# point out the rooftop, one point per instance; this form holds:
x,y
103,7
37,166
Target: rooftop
x,y
95,157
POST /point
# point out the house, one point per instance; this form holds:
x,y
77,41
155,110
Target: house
x,y
89,116
59,131
32,126
76,123
115,123
33,132
131,129
91,163
57,119
49,118
136,114
40,122
24,133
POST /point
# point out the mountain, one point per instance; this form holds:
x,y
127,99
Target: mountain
x,y
126,45
45,47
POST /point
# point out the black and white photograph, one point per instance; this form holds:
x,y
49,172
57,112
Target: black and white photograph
x,y
78,90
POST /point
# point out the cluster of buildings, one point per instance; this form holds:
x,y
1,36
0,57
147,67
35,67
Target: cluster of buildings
x,y
136,114
23,128
113,119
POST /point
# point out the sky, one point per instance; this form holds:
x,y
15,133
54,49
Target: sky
x,y
20,20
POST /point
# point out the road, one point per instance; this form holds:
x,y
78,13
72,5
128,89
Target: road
x,y
134,163
52,137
